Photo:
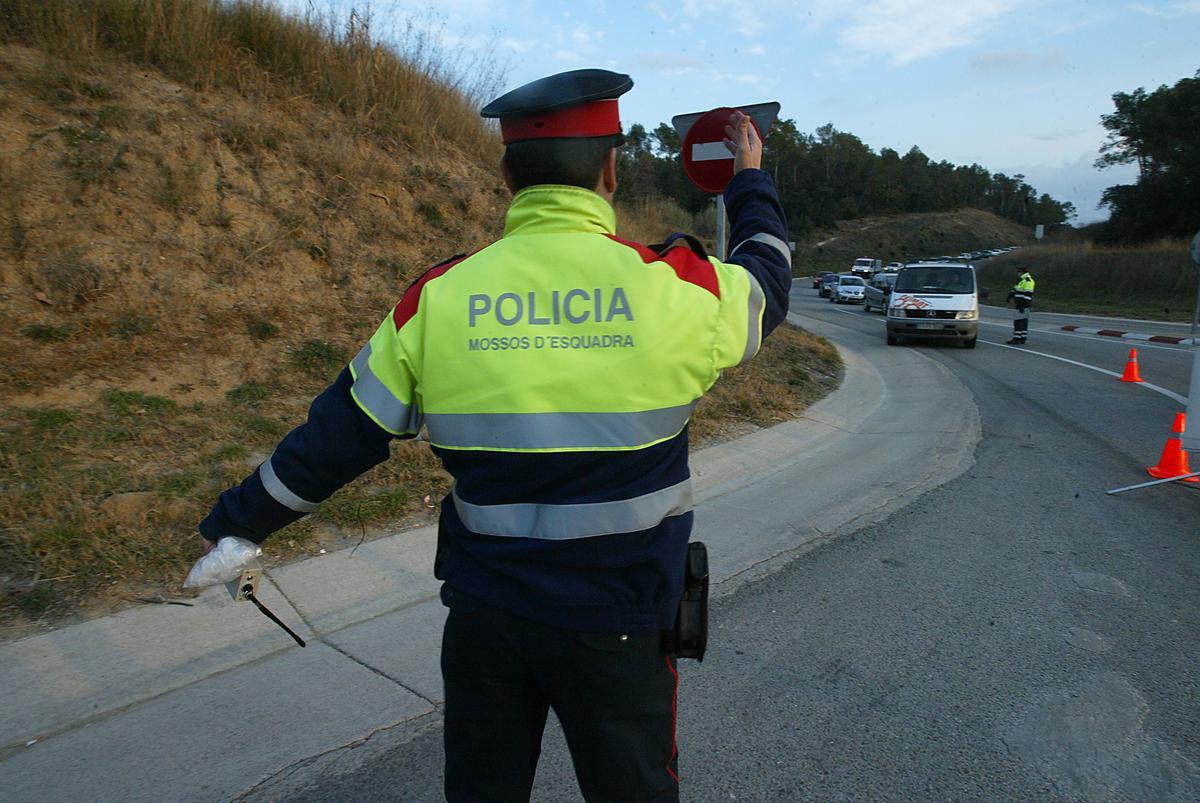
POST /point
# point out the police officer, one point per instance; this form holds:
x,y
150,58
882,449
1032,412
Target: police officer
x,y
1022,296
555,372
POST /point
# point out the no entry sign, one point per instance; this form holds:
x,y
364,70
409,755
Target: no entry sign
x,y
707,161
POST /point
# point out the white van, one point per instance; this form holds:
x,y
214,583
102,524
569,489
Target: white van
x,y
936,300
866,266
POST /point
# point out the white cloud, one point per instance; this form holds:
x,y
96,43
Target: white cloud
x,y
756,50
1169,9
1009,61
900,30
657,10
1077,181
671,64
909,30
515,45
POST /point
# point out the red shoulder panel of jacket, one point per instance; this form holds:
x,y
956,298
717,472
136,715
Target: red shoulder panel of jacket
x,y
687,265
407,307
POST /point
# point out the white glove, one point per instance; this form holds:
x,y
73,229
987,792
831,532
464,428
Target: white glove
x,y
224,563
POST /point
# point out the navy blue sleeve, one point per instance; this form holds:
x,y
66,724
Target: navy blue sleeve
x,y
337,443
759,240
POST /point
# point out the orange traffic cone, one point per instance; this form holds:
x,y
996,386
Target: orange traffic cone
x,y
1173,462
1131,369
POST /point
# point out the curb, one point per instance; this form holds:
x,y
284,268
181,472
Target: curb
x,y
1084,330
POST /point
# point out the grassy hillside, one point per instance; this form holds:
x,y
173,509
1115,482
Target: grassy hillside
x,y
903,237
201,218
1156,281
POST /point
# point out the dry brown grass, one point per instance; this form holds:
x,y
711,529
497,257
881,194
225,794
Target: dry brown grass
x,y
1156,281
794,369
649,221
251,46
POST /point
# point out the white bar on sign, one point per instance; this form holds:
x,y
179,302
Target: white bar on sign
x,y
710,152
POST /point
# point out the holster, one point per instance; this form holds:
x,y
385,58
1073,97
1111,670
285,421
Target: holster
x,y
442,551
689,637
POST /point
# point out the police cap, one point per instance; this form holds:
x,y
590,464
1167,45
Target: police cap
x,y
579,103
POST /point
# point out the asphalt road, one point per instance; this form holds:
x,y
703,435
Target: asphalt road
x,y
1014,634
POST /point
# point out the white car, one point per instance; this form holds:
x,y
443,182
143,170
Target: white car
x,y
848,290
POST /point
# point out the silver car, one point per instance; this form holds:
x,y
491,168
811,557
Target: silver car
x,y
848,290
875,295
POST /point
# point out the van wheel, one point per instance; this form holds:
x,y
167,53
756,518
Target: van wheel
x,y
969,344
893,340
866,306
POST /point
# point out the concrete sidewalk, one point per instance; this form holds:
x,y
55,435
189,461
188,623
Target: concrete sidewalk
x,y
211,701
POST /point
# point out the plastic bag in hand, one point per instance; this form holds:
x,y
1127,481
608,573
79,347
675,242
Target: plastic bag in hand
x,y
224,563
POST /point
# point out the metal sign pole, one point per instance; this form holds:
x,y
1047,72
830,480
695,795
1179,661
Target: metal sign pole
x,y
1190,440
721,227
1191,435
1196,315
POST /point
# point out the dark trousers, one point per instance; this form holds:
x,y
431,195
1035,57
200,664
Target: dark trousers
x,y
614,695
1021,323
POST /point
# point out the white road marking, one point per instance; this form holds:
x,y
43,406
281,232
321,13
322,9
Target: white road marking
x,y
1148,386
1170,394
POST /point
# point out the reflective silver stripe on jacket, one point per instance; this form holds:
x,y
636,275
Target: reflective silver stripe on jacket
x,y
753,325
771,240
394,415
564,522
280,492
556,430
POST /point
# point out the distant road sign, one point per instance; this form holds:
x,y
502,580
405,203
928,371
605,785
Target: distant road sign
x,y
1039,231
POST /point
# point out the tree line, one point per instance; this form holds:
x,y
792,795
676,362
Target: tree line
x,y
1160,132
833,175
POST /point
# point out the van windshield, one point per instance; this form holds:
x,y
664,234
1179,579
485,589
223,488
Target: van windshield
x,y
935,279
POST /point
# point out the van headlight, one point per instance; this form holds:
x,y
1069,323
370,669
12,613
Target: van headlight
x,y
966,315
895,312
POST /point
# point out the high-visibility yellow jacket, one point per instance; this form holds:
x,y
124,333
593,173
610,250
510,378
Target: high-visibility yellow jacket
x,y
1022,292
555,372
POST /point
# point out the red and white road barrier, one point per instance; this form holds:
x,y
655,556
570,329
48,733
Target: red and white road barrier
x,y
1084,330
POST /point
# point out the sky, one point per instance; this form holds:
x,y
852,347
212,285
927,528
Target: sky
x,y
1017,86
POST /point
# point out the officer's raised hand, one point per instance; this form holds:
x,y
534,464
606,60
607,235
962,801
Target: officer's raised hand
x,y
741,138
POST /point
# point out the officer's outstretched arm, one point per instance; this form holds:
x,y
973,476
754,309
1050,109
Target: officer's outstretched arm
x,y
337,443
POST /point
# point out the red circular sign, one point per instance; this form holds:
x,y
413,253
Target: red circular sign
x,y
707,161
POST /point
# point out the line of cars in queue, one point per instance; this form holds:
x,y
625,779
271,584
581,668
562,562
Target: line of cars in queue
x,y
935,298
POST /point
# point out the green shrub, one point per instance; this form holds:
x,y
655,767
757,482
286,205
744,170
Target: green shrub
x,y
261,329
46,333
49,418
250,393
318,358
132,402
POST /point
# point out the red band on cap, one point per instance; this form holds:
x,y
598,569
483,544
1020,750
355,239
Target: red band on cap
x,y
598,118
